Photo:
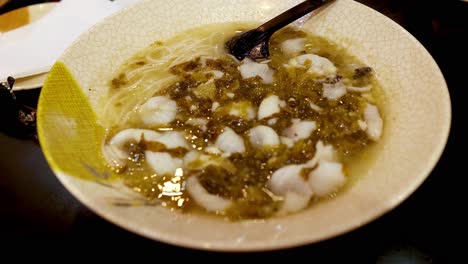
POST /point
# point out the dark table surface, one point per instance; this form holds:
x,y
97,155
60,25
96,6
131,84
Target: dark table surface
x,y
38,213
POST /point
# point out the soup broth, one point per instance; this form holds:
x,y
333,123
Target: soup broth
x,y
192,127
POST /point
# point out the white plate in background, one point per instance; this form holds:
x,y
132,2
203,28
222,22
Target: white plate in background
x,y
16,19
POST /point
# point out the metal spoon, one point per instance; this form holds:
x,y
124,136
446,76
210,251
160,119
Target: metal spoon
x,y
254,43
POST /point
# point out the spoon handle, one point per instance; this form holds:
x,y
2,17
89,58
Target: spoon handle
x,y
254,43
290,15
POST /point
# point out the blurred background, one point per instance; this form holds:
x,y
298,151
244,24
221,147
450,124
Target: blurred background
x,y
36,212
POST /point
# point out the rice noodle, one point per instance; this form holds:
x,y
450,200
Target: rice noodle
x,y
153,74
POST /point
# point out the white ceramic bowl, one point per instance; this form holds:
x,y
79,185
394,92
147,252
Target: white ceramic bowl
x,y
417,121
